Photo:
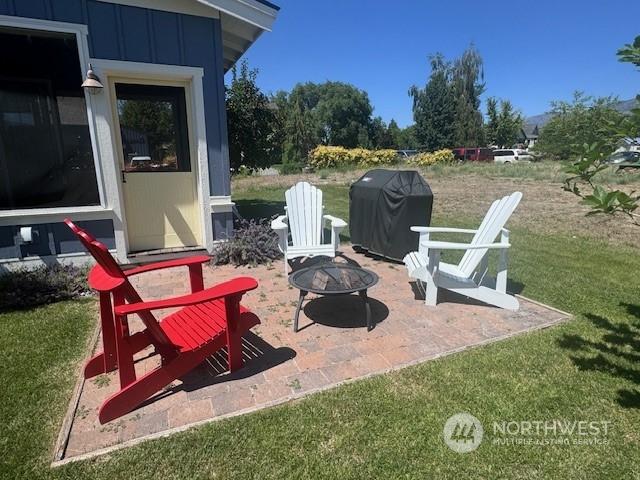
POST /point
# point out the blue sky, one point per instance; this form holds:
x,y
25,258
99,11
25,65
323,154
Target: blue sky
x,y
534,51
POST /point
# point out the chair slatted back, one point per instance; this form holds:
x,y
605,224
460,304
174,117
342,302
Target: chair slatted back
x,y
110,268
491,226
304,212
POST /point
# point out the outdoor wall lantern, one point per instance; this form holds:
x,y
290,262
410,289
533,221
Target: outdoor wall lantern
x,y
92,82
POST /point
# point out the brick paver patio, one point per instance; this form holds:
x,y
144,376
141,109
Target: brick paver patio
x,y
332,346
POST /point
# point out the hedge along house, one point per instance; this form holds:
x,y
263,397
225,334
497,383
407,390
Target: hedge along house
x,y
143,161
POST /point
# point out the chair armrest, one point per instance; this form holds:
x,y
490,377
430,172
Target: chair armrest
x,y
280,223
462,246
236,286
181,262
441,230
335,221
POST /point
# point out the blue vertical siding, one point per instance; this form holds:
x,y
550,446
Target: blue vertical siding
x,y
136,37
72,11
167,37
120,32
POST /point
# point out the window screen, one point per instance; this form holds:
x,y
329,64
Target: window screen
x,y
46,158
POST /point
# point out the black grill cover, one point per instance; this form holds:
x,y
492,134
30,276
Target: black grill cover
x,y
383,205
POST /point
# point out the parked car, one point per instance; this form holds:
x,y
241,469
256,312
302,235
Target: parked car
x,y
512,155
474,154
626,159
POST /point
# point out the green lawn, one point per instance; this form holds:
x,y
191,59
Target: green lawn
x,y
388,426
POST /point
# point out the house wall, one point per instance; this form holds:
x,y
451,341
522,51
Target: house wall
x,y
121,32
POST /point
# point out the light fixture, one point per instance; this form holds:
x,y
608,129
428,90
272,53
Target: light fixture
x,y
92,82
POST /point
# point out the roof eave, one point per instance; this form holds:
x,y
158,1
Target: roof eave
x,y
242,21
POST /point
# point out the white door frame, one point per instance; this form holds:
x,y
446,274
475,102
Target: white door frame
x,y
107,141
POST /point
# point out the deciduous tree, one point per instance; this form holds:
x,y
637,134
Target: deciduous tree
x,y
468,85
255,135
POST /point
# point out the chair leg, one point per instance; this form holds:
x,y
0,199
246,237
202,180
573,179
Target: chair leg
x,y
286,272
431,290
195,278
501,277
430,293
234,334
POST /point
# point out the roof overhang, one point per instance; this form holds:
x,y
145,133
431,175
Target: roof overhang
x,y
242,21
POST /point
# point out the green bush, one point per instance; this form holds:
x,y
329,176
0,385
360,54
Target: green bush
x,y
26,288
253,243
290,168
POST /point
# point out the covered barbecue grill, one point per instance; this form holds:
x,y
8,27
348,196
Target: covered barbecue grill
x,y
383,205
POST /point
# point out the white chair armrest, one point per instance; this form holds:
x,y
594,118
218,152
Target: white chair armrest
x,y
462,246
441,230
280,223
281,226
335,221
337,224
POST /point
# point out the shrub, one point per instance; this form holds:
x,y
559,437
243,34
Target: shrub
x,y
379,157
26,288
425,159
290,168
253,243
330,157
244,171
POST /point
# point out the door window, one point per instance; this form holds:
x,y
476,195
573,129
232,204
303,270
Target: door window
x,y
153,128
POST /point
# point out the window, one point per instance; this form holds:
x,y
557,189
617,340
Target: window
x,y
153,128
46,158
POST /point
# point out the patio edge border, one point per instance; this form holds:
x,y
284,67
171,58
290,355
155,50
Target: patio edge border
x,y
62,440
68,420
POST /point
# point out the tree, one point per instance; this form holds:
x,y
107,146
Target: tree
x,y
583,173
395,134
631,53
491,128
509,125
468,85
331,113
380,134
255,134
298,128
343,113
407,139
433,107
584,120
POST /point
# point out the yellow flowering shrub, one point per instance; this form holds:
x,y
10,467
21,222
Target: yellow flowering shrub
x,y
374,158
425,159
324,156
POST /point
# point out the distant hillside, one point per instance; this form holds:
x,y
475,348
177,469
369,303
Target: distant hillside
x,y
540,120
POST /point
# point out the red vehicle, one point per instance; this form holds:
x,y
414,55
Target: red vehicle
x,y
473,154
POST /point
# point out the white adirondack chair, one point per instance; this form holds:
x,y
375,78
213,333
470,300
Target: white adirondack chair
x,y
470,277
305,220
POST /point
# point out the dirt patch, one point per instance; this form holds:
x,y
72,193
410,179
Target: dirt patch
x,y
545,207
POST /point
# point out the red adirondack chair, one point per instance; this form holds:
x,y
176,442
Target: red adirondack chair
x,y
211,319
